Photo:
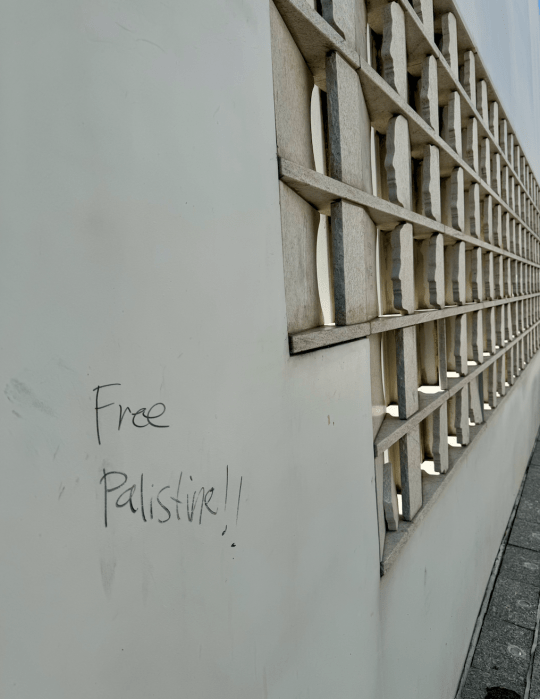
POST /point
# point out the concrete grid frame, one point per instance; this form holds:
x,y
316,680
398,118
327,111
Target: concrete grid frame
x,y
410,215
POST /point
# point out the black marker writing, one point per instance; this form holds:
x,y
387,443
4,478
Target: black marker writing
x,y
107,490
238,506
148,417
162,521
100,407
177,498
142,496
137,497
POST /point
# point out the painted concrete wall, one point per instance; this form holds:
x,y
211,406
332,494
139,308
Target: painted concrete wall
x,y
507,35
141,245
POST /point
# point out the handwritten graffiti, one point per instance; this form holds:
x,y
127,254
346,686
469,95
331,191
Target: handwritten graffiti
x,y
165,503
142,415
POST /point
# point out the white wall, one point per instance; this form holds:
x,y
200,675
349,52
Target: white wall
x,y
142,245
507,35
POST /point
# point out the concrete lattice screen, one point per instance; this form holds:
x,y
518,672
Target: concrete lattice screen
x,y
407,201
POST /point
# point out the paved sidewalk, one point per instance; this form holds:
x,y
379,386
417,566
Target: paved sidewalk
x,y
506,661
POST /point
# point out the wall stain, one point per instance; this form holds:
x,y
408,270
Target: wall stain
x,y
17,392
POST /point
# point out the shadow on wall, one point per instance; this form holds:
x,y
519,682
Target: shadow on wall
x,y
500,692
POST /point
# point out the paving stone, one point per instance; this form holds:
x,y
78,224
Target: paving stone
x,y
533,475
529,508
505,648
530,496
501,693
531,487
535,679
531,492
521,564
501,659
514,601
525,534
532,482
535,453
479,682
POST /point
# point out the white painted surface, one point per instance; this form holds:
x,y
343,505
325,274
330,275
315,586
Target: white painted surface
x,y
507,35
141,245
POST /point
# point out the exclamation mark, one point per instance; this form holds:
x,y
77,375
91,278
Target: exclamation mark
x,y
238,505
